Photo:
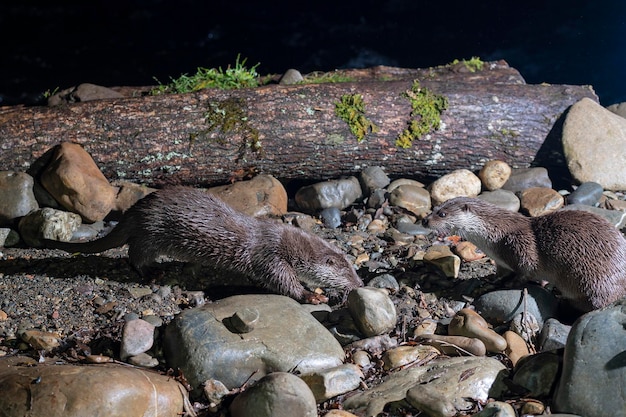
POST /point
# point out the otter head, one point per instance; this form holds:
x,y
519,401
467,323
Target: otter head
x,y
457,215
331,270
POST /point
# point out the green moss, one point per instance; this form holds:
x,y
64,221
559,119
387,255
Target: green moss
x,y
231,78
426,109
351,109
473,64
230,116
319,77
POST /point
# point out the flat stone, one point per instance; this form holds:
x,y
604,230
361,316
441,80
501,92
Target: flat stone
x,y
415,199
523,178
537,373
199,342
88,390
616,217
594,144
329,383
502,198
459,383
335,193
537,201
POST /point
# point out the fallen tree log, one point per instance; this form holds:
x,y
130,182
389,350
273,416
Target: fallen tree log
x,y
214,136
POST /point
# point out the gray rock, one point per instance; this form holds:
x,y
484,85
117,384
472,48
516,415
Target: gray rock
x,y
594,144
137,337
553,335
18,199
502,305
329,383
616,217
459,383
405,225
331,217
290,77
502,198
594,365
384,281
336,193
372,178
377,198
199,342
8,237
48,223
372,310
524,178
537,373
587,193
279,394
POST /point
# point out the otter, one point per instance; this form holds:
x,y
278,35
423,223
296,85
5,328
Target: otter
x,y
194,226
580,253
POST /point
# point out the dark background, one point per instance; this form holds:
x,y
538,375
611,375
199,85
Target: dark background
x,y
50,44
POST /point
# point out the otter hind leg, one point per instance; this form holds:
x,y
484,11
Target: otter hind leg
x,y
141,259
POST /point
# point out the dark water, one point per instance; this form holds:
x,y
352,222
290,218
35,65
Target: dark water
x,y
50,44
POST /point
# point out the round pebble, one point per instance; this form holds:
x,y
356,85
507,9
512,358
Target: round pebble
x,y
331,217
494,174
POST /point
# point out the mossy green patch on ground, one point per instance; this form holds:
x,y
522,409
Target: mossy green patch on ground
x,y
473,64
238,76
426,109
351,109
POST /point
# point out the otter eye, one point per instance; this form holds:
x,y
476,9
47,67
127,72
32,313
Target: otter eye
x,y
441,214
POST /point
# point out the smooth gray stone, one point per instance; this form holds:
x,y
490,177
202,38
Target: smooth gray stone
x,y
502,198
524,178
372,178
331,217
502,305
199,342
593,381
587,193
616,217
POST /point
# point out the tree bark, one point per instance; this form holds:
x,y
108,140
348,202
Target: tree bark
x,y
292,132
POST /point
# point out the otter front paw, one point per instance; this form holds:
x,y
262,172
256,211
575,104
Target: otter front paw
x,y
313,298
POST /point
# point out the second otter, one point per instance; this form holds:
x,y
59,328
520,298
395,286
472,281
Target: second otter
x,y
192,225
582,254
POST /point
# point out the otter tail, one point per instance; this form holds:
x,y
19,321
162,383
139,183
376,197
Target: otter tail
x,y
117,237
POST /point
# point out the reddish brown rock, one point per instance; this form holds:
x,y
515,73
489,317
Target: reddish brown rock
x,y
75,181
89,390
261,196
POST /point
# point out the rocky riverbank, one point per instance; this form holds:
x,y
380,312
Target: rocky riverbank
x,y
434,331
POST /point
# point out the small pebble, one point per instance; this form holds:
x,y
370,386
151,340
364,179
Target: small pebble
x,y
331,217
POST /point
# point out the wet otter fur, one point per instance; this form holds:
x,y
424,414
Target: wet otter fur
x,y
580,253
194,226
